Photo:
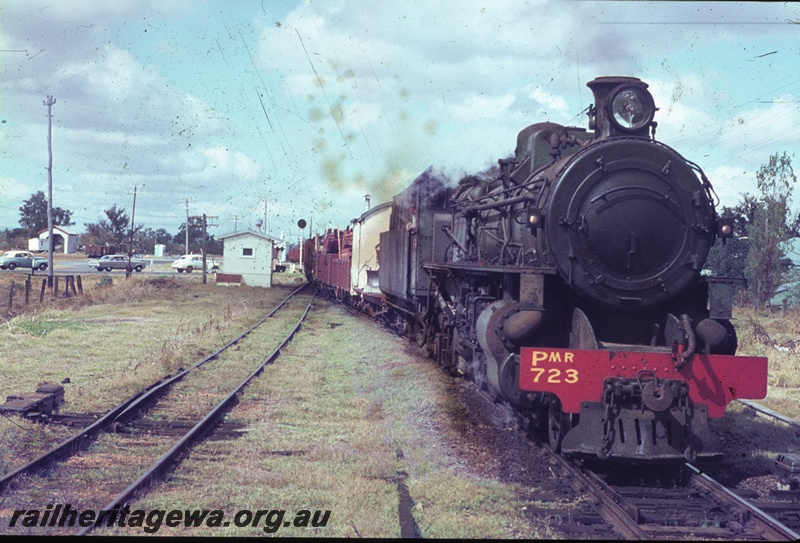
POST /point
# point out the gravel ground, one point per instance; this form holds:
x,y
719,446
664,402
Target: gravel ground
x,y
499,450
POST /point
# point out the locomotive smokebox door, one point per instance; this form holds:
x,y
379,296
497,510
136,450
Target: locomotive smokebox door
x,y
628,234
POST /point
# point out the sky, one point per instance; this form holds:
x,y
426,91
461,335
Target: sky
x,y
292,110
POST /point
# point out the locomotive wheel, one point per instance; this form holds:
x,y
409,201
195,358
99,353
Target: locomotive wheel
x,y
558,424
422,329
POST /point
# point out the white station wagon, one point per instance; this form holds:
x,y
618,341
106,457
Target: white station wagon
x,y
117,262
188,263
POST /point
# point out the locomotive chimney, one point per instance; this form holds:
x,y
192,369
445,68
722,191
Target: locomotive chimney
x,y
622,107
366,202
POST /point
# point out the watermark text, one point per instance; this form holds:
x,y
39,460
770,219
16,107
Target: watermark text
x,y
64,515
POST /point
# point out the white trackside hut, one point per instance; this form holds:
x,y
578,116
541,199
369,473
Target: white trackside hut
x,y
249,253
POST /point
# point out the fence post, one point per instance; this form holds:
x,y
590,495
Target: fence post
x,y
80,285
44,287
55,287
11,295
27,290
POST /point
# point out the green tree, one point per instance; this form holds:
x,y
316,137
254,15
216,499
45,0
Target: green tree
x,y
17,238
33,214
729,260
147,238
111,230
772,226
213,246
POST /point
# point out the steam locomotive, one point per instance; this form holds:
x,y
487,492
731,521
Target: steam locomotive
x,y
569,284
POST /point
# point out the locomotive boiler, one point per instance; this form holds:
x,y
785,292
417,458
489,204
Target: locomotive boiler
x,y
570,285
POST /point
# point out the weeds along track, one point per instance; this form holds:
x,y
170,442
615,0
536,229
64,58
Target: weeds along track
x,y
654,502
142,438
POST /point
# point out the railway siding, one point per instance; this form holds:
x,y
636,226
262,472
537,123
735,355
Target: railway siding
x,y
136,333
334,425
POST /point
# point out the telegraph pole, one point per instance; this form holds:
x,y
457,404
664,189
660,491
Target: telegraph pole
x,y
130,243
204,224
50,242
186,247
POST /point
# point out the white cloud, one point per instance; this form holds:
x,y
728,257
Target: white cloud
x,y
730,182
167,94
552,105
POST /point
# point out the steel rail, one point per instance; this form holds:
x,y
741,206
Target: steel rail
x,y
772,528
154,393
611,507
161,466
72,445
122,412
758,408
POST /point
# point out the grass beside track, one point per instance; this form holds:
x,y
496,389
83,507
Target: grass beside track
x,y
769,334
112,342
330,425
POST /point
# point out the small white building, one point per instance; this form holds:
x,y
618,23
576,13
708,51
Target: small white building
x,y
248,253
41,243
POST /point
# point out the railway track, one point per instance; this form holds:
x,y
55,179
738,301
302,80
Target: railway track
x,y
93,469
588,499
681,503
676,501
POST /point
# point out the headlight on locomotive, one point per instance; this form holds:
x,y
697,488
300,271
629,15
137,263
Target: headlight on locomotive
x,y
632,108
628,222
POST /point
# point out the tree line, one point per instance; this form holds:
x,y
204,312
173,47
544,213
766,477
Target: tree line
x,y
113,228
765,226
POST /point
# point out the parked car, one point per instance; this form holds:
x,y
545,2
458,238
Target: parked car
x,y
117,262
188,263
22,259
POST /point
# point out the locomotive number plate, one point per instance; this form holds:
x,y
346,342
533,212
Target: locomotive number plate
x,y
578,375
